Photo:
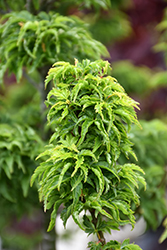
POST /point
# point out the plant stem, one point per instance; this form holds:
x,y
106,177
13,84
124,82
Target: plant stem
x,y
46,5
100,234
30,80
29,5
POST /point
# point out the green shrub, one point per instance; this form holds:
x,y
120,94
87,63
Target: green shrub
x,y
89,110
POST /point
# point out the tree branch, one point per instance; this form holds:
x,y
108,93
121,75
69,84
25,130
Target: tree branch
x,y
46,5
30,80
100,234
28,5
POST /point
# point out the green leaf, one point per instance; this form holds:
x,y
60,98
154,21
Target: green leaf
x,y
97,144
6,193
79,162
131,247
76,192
78,208
95,245
64,114
28,25
64,170
84,129
9,162
99,108
86,152
76,181
25,45
65,213
125,243
111,208
54,214
98,207
89,226
38,171
116,132
105,165
25,184
113,244
97,171
163,236
76,90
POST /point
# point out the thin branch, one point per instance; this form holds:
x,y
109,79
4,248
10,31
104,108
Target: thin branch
x,y
100,233
30,80
28,5
46,5
39,87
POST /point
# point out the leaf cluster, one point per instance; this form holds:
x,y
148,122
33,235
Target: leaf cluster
x,y
89,110
86,4
18,147
114,245
34,41
61,6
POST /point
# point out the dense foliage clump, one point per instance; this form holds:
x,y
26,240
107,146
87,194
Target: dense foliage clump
x,y
35,41
89,110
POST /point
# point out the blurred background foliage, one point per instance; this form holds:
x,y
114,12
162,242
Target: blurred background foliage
x,y
150,148
135,34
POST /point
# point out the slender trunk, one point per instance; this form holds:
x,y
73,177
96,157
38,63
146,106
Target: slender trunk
x,y
100,234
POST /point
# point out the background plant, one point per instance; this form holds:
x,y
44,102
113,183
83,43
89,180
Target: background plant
x,y
150,147
27,56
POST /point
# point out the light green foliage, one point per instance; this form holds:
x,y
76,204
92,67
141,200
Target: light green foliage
x,y
34,41
135,80
150,148
89,110
18,148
